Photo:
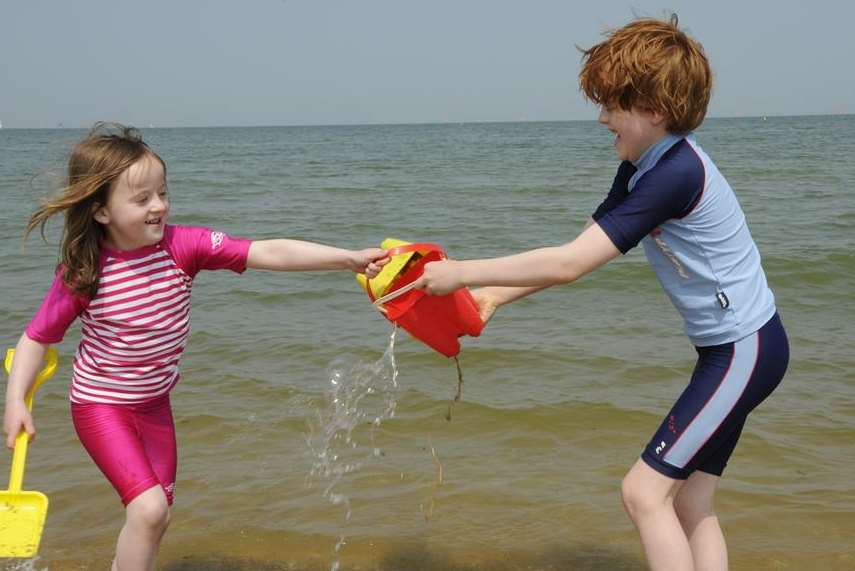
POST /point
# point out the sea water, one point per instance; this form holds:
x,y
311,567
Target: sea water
x,y
563,388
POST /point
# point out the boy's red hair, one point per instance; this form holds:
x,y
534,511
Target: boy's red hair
x,y
653,66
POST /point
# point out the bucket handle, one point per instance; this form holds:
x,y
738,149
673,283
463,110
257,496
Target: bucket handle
x,y
395,294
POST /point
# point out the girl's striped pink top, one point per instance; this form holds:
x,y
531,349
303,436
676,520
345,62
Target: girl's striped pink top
x,y
135,327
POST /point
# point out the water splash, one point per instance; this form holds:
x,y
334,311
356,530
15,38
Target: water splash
x,y
359,393
23,565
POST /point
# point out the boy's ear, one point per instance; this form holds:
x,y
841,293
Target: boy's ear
x,y
99,213
657,118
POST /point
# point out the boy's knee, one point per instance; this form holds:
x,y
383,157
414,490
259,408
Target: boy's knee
x,y
641,498
633,497
693,507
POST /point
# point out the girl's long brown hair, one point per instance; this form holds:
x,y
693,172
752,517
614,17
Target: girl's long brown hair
x,y
95,163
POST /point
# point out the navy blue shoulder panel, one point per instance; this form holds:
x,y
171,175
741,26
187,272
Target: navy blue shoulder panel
x,y
670,189
619,190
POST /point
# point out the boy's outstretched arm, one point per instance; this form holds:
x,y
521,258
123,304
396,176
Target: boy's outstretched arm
x,y
297,255
535,269
491,297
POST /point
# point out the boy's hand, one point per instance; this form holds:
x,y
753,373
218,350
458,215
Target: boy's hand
x,y
487,303
17,417
368,261
440,278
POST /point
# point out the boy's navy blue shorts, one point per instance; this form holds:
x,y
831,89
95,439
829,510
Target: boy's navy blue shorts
x,y
701,430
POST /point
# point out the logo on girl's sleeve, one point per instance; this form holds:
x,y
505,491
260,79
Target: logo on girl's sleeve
x,y
216,240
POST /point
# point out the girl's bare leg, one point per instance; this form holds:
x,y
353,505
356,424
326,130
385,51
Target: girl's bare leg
x,y
146,520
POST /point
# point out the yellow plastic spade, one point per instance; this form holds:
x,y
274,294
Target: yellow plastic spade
x,y
22,514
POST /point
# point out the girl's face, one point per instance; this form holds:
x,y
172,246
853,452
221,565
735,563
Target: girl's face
x,y
137,206
635,130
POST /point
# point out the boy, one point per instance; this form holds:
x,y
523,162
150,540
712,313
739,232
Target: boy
x,y
653,85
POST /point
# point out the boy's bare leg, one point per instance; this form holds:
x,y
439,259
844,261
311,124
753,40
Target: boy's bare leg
x,y
648,498
146,520
694,506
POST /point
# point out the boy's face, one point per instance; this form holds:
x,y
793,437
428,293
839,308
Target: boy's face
x,y
137,206
634,130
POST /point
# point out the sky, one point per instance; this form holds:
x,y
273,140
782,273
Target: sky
x,y
172,63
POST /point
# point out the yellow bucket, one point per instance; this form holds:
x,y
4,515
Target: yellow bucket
x,y
22,513
383,282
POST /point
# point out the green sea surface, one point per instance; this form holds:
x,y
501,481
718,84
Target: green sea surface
x,y
562,390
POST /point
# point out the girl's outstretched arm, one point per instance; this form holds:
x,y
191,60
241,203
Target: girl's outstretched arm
x,y
533,270
29,358
297,255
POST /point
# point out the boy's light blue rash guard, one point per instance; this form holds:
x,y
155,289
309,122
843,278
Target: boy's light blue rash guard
x,y
679,206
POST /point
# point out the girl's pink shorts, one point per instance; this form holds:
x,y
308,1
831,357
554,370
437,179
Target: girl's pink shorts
x,y
132,444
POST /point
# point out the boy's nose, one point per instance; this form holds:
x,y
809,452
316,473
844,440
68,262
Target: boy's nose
x,y
604,116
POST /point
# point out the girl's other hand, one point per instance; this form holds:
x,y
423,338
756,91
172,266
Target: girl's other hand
x,y
17,417
369,261
487,303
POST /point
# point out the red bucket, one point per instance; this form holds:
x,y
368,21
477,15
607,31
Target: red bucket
x,y
435,320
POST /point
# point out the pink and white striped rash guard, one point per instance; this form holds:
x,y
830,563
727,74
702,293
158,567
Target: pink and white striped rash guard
x,y
135,328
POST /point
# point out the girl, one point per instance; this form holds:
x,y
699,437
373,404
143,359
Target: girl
x,y
128,275
653,84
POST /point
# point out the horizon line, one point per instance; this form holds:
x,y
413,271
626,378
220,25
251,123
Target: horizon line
x,y
403,124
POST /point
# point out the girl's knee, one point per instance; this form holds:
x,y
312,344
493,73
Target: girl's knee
x,y
153,515
150,511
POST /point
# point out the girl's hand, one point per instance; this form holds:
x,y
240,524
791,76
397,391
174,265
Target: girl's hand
x,y
17,418
487,303
368,261
440,278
